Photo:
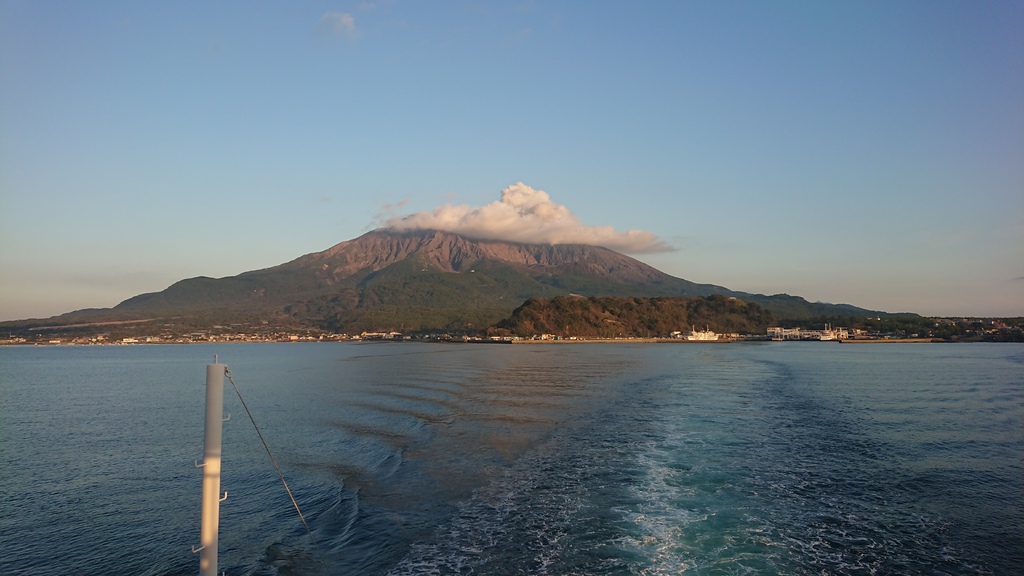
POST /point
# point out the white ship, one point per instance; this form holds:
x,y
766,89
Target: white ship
x,y
702,335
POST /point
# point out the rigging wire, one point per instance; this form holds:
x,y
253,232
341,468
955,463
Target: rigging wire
x,y
276,467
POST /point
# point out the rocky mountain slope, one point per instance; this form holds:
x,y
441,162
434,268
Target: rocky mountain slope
x,y
421,280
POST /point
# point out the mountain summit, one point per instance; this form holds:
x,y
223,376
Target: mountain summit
x,y
421,280
452,253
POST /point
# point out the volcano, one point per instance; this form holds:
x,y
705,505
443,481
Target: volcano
x,y
422,280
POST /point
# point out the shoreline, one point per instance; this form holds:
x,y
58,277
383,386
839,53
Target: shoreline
x,y
895,341
619,341
482,341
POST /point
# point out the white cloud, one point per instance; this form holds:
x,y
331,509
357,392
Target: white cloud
x,y
340,24
529,216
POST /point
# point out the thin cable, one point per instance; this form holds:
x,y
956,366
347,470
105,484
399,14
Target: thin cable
x,y
276,467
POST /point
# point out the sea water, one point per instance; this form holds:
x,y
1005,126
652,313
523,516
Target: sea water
x,y
409,458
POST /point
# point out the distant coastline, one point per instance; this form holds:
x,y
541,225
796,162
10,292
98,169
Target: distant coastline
x,y
624,341
894,341
520,341
555,329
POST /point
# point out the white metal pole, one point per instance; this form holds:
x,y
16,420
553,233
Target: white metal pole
x,y
211,469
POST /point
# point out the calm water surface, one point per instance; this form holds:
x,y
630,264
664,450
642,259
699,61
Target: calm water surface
x,y
782,458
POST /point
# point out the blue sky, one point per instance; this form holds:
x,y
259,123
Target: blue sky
x,y
869,153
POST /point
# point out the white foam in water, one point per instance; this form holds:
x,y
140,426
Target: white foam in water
x,y
659,522
691,510
523,516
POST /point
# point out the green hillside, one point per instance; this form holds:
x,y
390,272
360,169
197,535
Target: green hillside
x,y
614,317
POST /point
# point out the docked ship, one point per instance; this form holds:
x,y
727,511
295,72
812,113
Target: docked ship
x,y
702,335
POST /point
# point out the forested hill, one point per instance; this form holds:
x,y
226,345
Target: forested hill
x,y
613,317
